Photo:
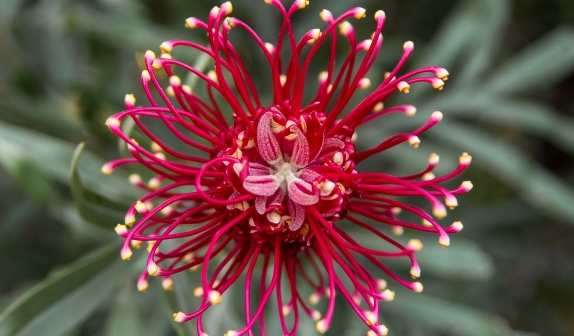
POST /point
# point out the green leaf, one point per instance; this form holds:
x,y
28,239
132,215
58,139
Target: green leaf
x,y
463,260
171,306
528,116
446,317
541,65
52,156
24,172
491,17
91,206
125,317
65,298
462,29
511,213
535,184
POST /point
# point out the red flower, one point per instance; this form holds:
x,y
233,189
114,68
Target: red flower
x,y
275,183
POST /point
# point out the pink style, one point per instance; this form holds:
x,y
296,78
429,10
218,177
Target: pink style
x,y
270,188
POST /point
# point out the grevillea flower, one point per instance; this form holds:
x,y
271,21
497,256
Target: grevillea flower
x,y
270,188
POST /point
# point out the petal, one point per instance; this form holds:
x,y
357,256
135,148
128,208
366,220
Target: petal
x,y
234,194
258,169
297,216
309,175
278,197
260,204
261,185
330,146
267,143
300,155
333,143
301,192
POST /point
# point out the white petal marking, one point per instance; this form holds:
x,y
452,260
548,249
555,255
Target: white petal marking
x,y
267,143
261,185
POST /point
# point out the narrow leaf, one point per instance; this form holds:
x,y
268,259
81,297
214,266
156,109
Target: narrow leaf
x,y
65,298
93,207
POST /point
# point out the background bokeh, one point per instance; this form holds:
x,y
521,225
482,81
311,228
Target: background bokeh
x,y
65,65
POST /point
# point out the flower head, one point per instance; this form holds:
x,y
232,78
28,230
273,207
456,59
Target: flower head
x,y
274,182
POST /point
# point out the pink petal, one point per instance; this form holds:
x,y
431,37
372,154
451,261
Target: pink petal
x,y
258,169
234,194
261,185
261,205
309,175
300,156
301,192
278,197
267,143
333,143
297,216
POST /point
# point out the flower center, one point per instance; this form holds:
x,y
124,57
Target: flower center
x,y
285,173
288,166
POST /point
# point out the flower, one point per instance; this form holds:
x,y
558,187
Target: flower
x,y
276,182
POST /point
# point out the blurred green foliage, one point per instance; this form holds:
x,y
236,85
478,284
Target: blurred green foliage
x,y
65,65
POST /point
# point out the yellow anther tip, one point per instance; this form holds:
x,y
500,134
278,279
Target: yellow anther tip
x,y
326,15
175,81
149,54
465,159
379,14
107,169
439,212
156,64
410,110
364,83
179,317
444,241
191,22
415,245
227,7
214,297
167,284
112,122
381,284
467,185
404,87
130,99
145,75
198,292
166,47
414,141
409,45
316,315
371,317
360,13
302,3
121,229
442,74
345,28
142,286
438,84
418,287
126,254
397,230
135,179
322,326
458,226
152,268
130,219
415,272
